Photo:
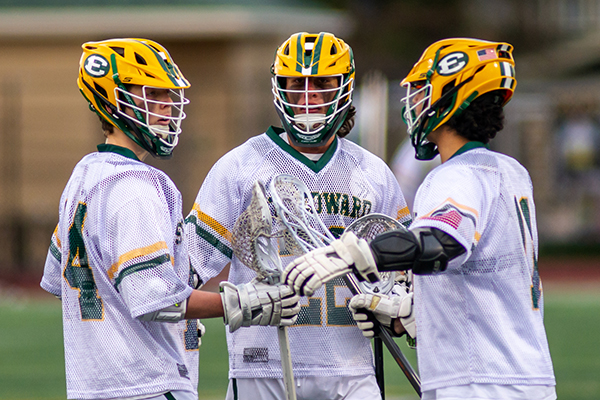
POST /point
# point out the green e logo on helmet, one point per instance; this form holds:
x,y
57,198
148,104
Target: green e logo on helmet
x,y
96,66
452,63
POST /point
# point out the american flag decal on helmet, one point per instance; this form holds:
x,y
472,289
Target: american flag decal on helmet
x,y
486,54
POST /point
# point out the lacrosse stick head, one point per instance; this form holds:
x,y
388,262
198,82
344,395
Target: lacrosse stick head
x,y
252,238
296,211
368,227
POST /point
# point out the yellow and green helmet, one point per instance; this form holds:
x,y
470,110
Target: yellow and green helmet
x,y
450,74
304,56
106,71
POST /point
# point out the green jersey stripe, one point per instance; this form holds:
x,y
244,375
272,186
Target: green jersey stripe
x,y
140,267
55,252
209,237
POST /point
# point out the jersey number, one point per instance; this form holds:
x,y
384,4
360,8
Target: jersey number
x,y
78,273
524,214
314,313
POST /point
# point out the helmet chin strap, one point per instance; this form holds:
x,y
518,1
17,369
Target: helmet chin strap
x,y
309,122
426,151
159,130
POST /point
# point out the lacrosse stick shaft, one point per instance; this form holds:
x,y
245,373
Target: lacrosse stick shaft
x,y
253,247
378,353
286,363
389,342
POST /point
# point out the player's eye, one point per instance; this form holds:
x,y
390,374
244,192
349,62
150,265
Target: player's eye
x,y
326,83
295,83
417,85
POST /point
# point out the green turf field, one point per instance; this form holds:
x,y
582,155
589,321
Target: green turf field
x,y
32,365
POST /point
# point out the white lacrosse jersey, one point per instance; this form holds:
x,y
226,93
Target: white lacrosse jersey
x,y
346,183
117,253
481,321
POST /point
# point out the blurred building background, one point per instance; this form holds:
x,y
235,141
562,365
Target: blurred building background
x,y
225,49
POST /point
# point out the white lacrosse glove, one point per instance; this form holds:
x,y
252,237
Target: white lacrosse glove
x,y
309,272
386,309
201,332
256,303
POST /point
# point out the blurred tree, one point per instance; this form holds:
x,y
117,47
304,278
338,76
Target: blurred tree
x,y
390,35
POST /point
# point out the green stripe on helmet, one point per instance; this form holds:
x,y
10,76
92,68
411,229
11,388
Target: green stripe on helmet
x,y
316,54
171,72
115,76
299,52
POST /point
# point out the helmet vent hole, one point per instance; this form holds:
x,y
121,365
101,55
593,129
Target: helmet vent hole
x,y
332,64
309,45
149,75
154,47
333,51
286,51
140,60
100,90
119,50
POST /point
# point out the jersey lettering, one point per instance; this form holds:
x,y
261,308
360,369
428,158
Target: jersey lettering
x,y
341,204
191,335
524,217
78,273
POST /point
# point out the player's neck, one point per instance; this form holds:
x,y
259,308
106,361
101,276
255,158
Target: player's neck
x,y
448,142
118,138
313,150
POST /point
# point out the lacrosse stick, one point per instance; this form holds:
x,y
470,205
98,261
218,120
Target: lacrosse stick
x,y
295,209
252,243
367,228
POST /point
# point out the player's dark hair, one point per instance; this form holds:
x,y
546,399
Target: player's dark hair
x,y
482,119
348,123
106,126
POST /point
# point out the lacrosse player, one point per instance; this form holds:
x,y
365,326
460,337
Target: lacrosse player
x,y
117,258
312,85
473,244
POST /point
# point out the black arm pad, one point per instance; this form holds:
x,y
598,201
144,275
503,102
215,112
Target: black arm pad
x,y
395,250
424,250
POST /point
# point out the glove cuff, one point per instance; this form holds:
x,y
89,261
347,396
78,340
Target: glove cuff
x,y
363,260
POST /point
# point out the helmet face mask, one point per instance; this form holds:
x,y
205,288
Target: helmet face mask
x,y
311,106
312,85
142,109
449,75
417,102
119,79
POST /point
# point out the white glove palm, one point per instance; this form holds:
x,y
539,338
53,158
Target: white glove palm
x,y
256,303
386,309
308,273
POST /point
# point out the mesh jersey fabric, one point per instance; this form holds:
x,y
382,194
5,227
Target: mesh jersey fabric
x,y
481,321
346,183
118,253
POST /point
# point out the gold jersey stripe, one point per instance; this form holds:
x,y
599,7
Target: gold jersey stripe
x,y
402,213
130,255
55,233
211,222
